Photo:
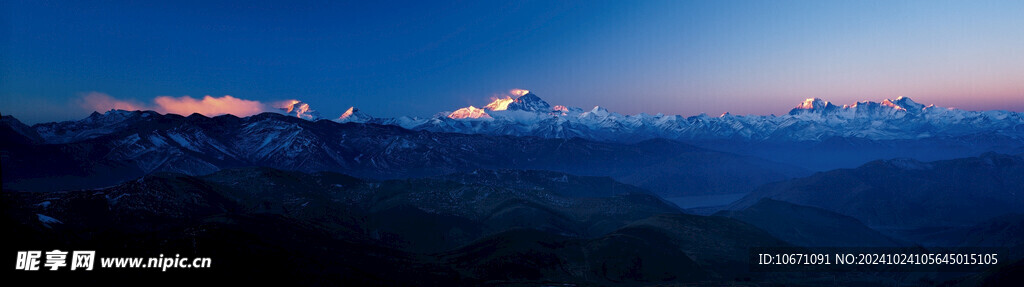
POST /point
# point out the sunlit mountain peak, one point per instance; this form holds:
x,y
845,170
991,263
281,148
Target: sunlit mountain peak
x,y
470,112
299,109
499,104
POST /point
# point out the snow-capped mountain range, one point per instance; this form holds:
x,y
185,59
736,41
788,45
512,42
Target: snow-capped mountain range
x,y
109,148
812,120
815,135
528,115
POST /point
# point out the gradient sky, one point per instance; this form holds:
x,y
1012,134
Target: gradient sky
x,y
423,57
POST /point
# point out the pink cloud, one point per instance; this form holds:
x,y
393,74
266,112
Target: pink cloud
x,y
184,105
209,106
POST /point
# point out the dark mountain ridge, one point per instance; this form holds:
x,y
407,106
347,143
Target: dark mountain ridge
x,y
106,149
906,193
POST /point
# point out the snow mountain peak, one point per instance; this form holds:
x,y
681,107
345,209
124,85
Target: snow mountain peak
x,y
300,110
469,112
523,101
907,104
813,105
353,115
529,102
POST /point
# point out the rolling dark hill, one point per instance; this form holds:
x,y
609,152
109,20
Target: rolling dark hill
x,y
809,226
663,248
424,215
907,194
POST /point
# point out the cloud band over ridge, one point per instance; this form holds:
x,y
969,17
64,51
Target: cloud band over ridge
x,y
184,105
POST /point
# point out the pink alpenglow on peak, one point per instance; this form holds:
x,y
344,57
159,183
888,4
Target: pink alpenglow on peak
x,y
300,110
470,112
516,99
813,103
890,104
900,105
499,104
353,115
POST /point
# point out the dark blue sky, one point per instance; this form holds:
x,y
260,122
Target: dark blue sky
x,y
423,57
